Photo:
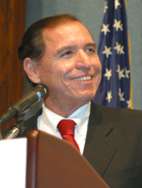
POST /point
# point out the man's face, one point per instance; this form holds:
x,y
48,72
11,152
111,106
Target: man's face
x,y
70,66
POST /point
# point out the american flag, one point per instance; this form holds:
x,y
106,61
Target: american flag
x,y
113,52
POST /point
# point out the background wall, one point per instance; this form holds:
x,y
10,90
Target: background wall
x,y
91,13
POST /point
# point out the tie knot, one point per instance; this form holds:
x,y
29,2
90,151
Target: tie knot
x,y
66,127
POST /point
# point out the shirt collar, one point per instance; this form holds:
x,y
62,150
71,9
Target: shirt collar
x,y
79,116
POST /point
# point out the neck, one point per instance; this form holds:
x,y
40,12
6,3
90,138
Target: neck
x,y
63,109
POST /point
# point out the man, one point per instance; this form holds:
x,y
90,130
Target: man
x,y
60,52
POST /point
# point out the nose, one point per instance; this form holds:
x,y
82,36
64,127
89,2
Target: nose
x,y
83,61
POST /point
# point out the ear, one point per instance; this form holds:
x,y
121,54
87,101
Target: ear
x,y
31,70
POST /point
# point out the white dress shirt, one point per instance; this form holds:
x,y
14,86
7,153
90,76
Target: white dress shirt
x,y
49,120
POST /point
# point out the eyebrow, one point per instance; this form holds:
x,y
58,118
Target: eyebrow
x,y
91,44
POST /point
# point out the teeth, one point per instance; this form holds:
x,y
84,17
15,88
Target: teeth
x,y
84,78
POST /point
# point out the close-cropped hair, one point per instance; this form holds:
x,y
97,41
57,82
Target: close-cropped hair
x,y
32,44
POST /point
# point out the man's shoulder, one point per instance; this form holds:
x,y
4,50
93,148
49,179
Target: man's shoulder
x,y
119,116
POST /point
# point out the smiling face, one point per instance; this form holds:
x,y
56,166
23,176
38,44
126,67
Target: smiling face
x,y
69,67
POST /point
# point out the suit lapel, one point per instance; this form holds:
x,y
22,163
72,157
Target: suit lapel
x,y
99,147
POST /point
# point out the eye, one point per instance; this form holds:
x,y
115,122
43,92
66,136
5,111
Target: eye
x,y
66,54
91,49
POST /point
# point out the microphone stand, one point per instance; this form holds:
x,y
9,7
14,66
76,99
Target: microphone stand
x,y
21,117
23,110
15,131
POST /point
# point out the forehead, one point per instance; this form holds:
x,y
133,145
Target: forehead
x,y
68,33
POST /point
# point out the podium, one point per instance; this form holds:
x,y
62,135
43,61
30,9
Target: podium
x,y
44,161
53,163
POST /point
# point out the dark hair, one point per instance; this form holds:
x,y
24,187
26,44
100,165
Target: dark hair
x,y
32,44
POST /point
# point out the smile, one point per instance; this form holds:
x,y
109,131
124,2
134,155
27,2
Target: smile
x,y
84,78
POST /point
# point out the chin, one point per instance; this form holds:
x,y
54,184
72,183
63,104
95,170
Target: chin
x,y
85,98
88,94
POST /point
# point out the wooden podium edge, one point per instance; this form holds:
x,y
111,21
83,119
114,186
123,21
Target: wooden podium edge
x,y
32,150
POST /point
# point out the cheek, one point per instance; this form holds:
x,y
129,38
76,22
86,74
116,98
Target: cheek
x,y
45,74
53,77
67,67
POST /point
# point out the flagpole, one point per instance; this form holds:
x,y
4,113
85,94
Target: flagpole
x,y
131,106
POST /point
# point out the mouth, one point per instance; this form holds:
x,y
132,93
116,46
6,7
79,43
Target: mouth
x,y
84,78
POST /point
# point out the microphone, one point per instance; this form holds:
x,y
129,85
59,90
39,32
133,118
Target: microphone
x,y
34,96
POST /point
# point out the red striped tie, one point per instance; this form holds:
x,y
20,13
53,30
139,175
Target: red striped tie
x,y
66,128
